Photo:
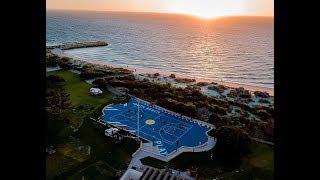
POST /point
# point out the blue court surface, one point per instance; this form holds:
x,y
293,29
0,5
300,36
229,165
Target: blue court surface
x,y
166,130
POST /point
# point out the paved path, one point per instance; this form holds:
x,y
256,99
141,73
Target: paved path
x,y
262,141
114,90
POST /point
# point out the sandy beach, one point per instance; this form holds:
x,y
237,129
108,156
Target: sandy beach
x,y
138,70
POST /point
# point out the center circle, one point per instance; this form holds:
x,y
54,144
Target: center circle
x,y
150,121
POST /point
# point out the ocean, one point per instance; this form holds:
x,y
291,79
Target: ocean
x,y
232,49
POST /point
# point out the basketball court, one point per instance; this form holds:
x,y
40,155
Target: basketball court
x,y
167,130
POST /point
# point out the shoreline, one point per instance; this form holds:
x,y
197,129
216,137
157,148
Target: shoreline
x,y
139,70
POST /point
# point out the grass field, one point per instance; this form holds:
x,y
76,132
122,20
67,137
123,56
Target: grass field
x,y
73,158
79,90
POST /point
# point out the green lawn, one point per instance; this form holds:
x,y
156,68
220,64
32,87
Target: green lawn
x,y
258,165
71,160
79,90
68,155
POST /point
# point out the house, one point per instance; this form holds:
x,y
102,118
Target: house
x,y
95,91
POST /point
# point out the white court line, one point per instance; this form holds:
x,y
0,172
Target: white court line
x,y
157,117
185,131
120,125
143,126
114,122
177,120
120,112
133,121
171,143
183,134
164,140
186,124
170,133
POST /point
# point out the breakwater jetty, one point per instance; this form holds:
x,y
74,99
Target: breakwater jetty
x,y
79,45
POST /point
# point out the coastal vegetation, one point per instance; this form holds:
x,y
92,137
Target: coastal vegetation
x,y
184,80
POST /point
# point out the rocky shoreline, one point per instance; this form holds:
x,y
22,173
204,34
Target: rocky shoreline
x,y
79,45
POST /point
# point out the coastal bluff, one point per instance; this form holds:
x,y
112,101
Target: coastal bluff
x,y
79,45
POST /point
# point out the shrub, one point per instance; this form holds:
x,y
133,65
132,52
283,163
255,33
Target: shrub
x,y
65,59
135,91
65,65
263,101
261,94
167,94
263,114
88,73
53,80
100,82
184,80
202,84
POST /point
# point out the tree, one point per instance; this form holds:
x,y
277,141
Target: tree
x,y
57,99
232,142
215,120
65,65
52,60
54,80
100,82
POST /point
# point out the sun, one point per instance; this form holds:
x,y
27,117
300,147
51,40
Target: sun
x,y
207,8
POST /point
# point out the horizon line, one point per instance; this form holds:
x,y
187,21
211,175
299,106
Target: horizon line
x,y
155,12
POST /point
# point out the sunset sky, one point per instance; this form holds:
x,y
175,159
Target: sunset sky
x,y
201,8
